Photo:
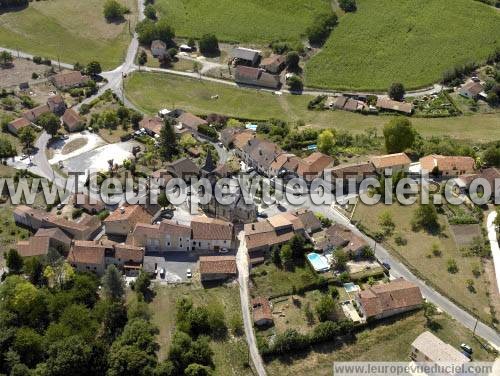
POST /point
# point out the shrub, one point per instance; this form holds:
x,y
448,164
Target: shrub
x,y
397,91
76,213
37,59
207,131
452,267
348,5
34,76
209,44
321,28
113,10
295,83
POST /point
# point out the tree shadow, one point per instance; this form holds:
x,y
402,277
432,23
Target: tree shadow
x,y
13,9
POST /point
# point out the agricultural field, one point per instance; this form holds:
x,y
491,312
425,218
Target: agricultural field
x,y
71,30
258,21
418,255
394,336
410,41
152,91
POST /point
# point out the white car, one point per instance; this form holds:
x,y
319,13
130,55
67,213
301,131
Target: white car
x,y
188,273
223,250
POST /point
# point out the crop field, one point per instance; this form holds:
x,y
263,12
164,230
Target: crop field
x,y
242,20
408,41
71,30
152,91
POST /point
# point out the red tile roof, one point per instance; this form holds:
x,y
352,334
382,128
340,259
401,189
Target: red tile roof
x,y
218,265
205,228
391,160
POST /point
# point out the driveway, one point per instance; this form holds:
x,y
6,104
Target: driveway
x,y
174,263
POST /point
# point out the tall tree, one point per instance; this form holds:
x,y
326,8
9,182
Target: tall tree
x,y
6,58
397,91
168,140
14,261
209,44
399,135
50,122
94,68
112,283
27,136
142,59
326,141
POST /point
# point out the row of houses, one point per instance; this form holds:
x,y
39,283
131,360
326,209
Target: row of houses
x,y
55,104
358,103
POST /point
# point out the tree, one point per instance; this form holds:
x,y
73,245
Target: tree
x,y
275,255
386,221
113,10
470,285
425,216
321,28
68,356
33,268
150,12
94,68
163,200
348,5
165,32
7,150
168,141
295,83
143,58
451,266
50,122
14,261
292,60
191,43
399,135
130,361
146,31
209,44
195,369
396,91
187,141
297,245
326,142
430,310
142,285
325,307
286,255
6,58
112,283
341,259
27,136
491,156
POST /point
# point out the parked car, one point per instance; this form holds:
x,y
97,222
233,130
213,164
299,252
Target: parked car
x,y
262,215
23,157
223,250
162,273
188,273
466,348
386,265
60,206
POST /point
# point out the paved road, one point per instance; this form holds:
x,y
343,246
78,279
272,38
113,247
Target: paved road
x,y
243,277
25,55
495,249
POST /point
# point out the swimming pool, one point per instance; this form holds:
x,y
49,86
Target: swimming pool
x,y
318,262
351,287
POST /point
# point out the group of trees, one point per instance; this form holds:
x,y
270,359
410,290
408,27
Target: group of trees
x,y
149,30
190,352
321,28
7,150
55,323
332,141
399,135
6,58
289,254
114,11
112,118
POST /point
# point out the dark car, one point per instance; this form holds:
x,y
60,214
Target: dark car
x,y
262,215
386,265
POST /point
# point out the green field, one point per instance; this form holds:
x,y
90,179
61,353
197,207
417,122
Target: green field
x,y
434,269
259,21
408,41
71,30
152,91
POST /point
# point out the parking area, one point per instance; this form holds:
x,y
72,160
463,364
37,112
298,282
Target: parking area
x,y
175,265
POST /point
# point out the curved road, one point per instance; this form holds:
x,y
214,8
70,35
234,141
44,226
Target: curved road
x,y
115,83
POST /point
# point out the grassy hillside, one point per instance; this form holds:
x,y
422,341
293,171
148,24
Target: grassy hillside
x,y
411,41
152,91
72,30
242,20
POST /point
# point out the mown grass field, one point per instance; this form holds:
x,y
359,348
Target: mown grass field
x,y
387,341
152,91
408,41
72,30
434,268
256,21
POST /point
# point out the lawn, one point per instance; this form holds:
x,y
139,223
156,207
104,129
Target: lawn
x,y
268,280
259,21
9,232
417,254
408,41
71,30
388,341
229,354
152,91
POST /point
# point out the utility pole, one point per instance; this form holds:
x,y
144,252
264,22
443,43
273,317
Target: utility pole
x,y
59,62
474,331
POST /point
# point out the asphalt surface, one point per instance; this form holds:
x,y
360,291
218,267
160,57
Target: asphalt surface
x,y
495,249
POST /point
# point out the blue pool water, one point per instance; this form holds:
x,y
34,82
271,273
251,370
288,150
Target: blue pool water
x,y
318,262
350,287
